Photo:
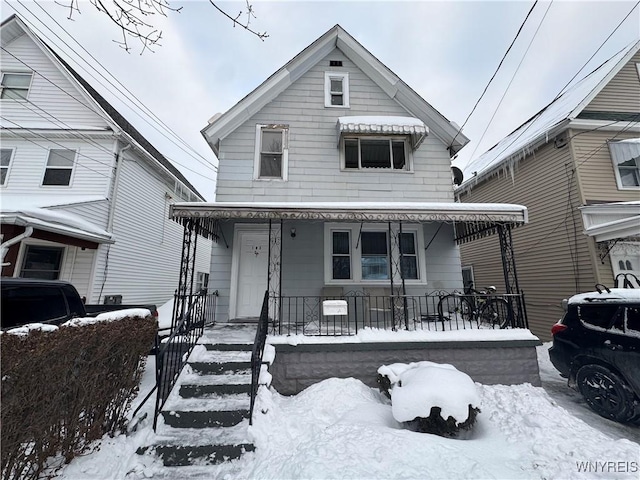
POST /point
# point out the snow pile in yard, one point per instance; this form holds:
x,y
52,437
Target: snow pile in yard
x,y
109,317
420,386
340,428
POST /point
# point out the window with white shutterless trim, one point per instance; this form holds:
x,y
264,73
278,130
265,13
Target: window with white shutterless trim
x,y
336,89
6,155
272,152
15,85
374,152
59,167
357,253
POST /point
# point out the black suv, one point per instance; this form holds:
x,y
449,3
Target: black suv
x,y
596,345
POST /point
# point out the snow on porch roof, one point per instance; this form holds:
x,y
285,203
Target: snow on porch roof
x,y
355,211
385,125
55,221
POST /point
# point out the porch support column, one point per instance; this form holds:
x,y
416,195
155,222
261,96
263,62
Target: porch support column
x,y
398,294
187,267
274,271
510,275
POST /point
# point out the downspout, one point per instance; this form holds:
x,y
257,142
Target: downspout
x,y
4,248
112,211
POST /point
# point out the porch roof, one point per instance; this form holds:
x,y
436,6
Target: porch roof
x,y
472,219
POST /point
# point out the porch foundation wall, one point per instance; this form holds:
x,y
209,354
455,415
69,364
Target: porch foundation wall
x,y
497,362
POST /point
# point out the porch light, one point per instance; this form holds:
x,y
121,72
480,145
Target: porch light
x,y
293,233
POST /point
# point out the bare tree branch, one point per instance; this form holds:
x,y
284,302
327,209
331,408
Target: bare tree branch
x,y
134,18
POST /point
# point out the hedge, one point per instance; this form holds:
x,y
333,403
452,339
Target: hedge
x,y
62,390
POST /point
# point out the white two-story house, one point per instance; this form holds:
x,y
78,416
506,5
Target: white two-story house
x,y
334,180
84,196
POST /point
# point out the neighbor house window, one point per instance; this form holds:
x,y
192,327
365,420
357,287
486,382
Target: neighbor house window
x,y
336,89
626,162
355,254
271,152
5,162
375,152
15,86
59,167
42,262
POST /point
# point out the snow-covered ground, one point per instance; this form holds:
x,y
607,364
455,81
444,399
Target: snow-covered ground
x,y
342,429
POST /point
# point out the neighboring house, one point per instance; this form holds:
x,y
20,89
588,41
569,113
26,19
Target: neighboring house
x,y
576,166
335,177
84,196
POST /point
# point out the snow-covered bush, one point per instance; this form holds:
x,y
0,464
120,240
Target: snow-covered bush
x,y
430,397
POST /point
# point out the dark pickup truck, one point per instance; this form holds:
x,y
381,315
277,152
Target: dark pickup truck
x,y
27,300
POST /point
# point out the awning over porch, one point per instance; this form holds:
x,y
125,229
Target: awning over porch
x,y
611,221
471,220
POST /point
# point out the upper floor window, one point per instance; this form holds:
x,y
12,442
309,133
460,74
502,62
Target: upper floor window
x,y
336,89
15,85
5,163
626,162
272,151
375,152
59,167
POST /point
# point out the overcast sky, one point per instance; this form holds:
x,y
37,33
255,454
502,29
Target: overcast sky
x,y
446,51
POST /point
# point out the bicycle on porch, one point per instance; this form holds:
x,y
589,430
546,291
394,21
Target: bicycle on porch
x,y
483,306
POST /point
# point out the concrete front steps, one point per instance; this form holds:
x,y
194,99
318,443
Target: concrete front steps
x,y
206,416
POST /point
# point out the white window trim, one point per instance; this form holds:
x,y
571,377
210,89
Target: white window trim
x,y
8,167
28,89
34,242
616,171
355,253
285,152
73,168
344,77
408,152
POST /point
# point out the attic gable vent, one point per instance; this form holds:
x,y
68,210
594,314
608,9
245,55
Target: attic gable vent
x,y
335,63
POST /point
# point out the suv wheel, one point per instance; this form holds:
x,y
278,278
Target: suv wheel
x,y
606,393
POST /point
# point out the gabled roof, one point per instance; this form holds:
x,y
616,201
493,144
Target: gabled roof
x,y
13,27
548,122
336,37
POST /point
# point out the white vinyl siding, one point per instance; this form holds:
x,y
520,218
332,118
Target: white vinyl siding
x,y
148,242
314,163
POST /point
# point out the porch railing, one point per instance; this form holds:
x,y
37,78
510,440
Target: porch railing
x,y
173,351
439,311
257,351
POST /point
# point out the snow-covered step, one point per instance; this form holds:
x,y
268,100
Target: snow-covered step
x,y
214,403
207,385
204,419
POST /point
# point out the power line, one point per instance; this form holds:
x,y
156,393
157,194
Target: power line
x,y
495,111
208,164
84,104
140,104
494,73
531,121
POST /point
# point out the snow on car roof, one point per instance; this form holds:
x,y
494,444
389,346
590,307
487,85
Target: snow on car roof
x,y
621,295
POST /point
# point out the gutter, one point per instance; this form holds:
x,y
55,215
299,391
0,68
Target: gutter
x,y
4,248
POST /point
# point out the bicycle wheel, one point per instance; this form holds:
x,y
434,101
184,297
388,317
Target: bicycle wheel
x,y
455,307
495,313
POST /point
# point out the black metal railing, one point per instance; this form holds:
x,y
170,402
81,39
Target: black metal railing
x,y
438,311
257,351
172,352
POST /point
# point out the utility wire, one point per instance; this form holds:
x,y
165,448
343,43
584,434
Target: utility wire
x,y
140,104
495,111
84,104
530,122
494,73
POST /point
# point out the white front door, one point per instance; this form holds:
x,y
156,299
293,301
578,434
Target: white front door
x,y
253,263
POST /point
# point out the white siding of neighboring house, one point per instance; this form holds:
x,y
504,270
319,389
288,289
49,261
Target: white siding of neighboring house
x,y
58,99
91,173
314,160
148,243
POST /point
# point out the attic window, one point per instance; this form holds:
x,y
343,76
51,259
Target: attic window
x,y
335,63
336,89
15,86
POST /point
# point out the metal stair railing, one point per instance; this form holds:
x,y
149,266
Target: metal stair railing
x,y
257,351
